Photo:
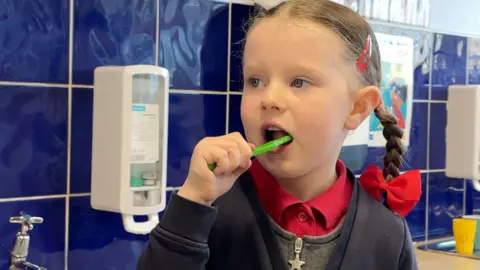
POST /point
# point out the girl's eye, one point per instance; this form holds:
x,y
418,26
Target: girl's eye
x,y
299,83
254,82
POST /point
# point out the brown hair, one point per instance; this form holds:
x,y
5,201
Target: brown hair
x,y
354,31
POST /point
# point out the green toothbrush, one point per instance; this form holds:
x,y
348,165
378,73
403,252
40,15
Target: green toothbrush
x,y
269,146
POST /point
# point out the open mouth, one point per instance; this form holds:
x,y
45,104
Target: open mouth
x,y
273,133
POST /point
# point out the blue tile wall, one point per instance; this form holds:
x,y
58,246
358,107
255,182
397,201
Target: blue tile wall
x,y
46,100
81,136
33,141
438,113
449,64
473,59
445,202
35,36
112,33
192,117
190,47
97,240
234,118
240,19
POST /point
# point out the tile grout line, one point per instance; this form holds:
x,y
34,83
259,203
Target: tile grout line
x,y
229,48
433,171
82,86
33,84
72,195
69,130
466,83
58,196
157,32
198,92
32,198
428,101
427,186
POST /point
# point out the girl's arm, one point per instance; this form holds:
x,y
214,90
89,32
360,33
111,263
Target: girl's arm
x,y
180,240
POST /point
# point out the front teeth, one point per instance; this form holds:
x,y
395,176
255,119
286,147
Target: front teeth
x,y
273,129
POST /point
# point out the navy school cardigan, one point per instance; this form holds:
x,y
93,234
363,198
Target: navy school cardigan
x,y
236,234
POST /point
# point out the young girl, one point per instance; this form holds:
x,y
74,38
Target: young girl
x,y
311,70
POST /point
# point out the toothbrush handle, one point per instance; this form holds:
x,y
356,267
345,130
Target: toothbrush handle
x,y
212,166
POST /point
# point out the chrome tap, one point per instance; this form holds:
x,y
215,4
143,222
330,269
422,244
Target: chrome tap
x,y
19,254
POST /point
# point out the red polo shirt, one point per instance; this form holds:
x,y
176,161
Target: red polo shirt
x,y
316,217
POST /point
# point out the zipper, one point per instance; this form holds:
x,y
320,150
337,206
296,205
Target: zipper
x,y
298,246
296,264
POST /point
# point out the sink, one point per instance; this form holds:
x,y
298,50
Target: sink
x,y
446,247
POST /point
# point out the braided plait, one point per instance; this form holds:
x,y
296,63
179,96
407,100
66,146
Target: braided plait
x,y
394,148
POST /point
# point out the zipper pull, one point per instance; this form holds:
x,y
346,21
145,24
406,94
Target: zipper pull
x,y
296,264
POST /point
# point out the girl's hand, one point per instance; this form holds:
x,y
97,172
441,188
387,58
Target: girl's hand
x,y
231,154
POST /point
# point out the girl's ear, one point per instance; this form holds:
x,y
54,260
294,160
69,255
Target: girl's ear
x,y
365,101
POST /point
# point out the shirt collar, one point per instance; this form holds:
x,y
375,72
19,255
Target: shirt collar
x,y
275,198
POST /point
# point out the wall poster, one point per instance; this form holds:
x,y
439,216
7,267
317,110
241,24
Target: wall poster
x,y
396,87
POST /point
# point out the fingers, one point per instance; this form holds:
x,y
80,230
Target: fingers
x,y
227,160
229,153
244,147
243,168
223,143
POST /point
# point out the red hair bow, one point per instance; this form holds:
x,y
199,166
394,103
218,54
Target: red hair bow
x,y
403,192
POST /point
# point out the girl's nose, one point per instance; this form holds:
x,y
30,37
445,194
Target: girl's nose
x,y
272,100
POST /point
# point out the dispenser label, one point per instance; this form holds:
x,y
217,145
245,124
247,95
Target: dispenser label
x,y
145,133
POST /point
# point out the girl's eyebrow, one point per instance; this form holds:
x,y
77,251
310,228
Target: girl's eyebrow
x,y
317,69
255,67
321,72
251,66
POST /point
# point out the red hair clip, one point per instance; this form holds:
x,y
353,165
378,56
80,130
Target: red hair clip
x,y
364,59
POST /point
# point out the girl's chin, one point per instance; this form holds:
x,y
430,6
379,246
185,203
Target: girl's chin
x,y
282,168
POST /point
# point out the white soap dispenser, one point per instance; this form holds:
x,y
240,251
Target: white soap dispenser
x,y
129,144
462,159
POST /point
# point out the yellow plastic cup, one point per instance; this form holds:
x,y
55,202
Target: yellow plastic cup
x,y
464,232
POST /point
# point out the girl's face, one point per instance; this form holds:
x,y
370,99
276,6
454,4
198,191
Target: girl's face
x,y
295,79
